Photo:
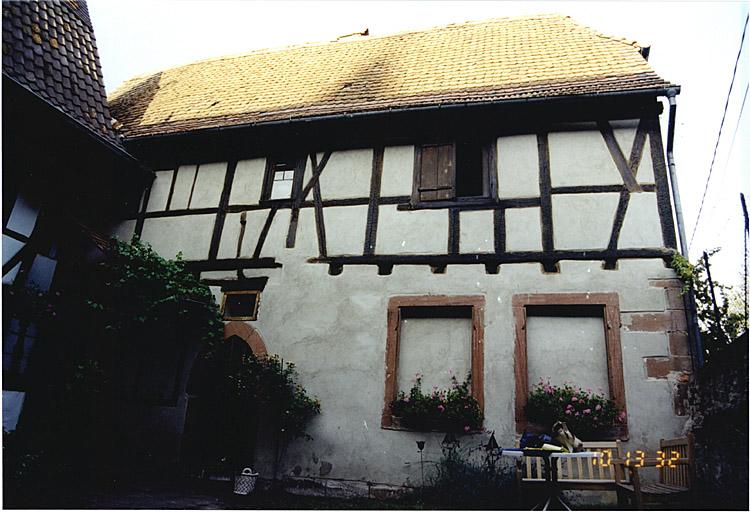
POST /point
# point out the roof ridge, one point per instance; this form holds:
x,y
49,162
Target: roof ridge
x,y
313,44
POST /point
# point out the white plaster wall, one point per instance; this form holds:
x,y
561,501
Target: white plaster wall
x,y
247,184
641,226
345,229
124,230
411,232
435,348
523,229
231,232
583,221
398,171
208,185
182,187
157,200
170,235
334,329
518,166
476,232
23,215
567,349
347,174
582,158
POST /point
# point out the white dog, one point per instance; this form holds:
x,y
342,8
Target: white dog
x,y
565,437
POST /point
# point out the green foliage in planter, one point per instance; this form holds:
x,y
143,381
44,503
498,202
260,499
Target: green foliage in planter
x,y
587,414
271,384
452,409
719,325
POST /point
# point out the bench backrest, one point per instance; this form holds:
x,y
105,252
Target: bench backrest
x,y
681,475
583,468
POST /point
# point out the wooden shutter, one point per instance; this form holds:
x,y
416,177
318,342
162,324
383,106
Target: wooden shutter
x,y
437,176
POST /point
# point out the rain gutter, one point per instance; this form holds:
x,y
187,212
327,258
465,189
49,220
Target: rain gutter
x,y
657,91
696,346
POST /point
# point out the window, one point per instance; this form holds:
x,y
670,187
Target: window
x,y
430,335
283,177
454,172
240,305
568,336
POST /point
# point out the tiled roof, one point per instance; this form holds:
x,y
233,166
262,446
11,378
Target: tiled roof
x,y
49,48
495,60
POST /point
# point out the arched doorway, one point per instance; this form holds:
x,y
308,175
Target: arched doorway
x,y
220,432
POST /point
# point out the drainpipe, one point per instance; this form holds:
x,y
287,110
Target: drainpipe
x,y
696,346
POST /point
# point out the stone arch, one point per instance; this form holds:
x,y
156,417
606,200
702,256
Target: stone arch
x,y
248,334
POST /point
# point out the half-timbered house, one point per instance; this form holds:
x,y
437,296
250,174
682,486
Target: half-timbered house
x,y
488,197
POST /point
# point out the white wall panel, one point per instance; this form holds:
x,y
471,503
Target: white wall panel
x,y
412,232
208,185
248,181
347,174
583,221
523,229
189,234
641,227
182,187
157,199
476,233
230,234
23,216
581,158
345,229
518,166
398,171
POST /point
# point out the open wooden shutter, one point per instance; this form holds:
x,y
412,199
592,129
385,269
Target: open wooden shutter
x,y
437,176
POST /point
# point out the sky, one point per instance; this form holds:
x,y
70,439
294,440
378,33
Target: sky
x,y
693,44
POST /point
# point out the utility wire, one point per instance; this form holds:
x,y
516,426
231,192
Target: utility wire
x,y
721,126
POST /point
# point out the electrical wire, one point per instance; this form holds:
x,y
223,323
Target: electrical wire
x,y
721,126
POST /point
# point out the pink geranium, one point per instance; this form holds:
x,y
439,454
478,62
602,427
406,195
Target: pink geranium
x,y
598,407
466,428
441,408
574,399
587,411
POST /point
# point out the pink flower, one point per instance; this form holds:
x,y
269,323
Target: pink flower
x,y
548,390
587,411
570,406
578,414
466,428
406,399
622,416
567,411
561,399
441,408
574,399
598,407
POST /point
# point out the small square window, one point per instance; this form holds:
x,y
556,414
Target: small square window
x,y
241,305
282,178
452,172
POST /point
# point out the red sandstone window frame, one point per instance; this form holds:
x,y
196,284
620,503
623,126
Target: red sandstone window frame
x,y
476,302
612,323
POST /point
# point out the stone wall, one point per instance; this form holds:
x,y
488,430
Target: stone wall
x,y
719,421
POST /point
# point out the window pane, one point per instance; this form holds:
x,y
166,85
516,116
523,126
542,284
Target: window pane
x,y
281,189
238,305
469,172
289,175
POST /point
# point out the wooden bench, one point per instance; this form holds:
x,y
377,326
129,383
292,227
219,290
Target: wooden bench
x,y
675,477
576,474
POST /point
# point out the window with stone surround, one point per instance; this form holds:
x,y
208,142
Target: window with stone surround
x,y
568,337
437,336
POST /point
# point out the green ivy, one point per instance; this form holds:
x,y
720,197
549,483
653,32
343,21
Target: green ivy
x,y
719,324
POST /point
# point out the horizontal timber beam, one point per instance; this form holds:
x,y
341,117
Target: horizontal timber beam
x,y
231,264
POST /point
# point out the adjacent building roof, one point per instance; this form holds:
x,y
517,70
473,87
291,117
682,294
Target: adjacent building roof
x,y
496,60
49,49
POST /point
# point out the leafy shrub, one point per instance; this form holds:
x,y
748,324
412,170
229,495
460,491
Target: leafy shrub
x,y
471,480
272,384
587,414
452,409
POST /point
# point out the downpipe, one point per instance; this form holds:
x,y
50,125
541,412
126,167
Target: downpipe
x,y
696,345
